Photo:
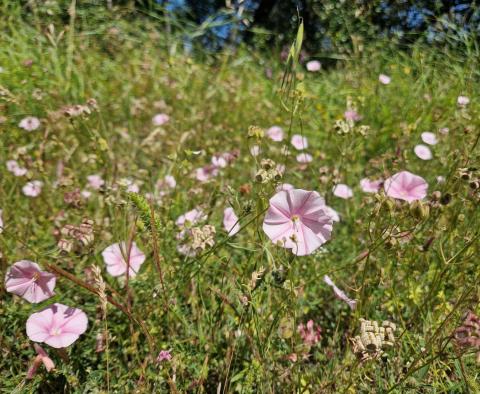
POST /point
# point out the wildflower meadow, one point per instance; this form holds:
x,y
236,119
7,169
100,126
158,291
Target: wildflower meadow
x,y
252,218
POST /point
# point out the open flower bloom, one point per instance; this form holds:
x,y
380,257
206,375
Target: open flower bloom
x,y
429,138
423,152
164,355
343,191
297,219
25,279
191,217
219,161
115,257
299,142
58,325
29,123
275,133
406,186
463,100
33,188
160,119
369,186
339,293
304,158
95,181
230,221
203,174
385,79
314,66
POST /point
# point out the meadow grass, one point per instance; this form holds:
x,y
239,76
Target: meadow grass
x,y
229,315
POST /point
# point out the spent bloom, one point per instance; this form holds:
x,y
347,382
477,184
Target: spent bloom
x,y
310,333
369,186
115,257
385,79
343,191
297,219
406,186
314,66
463,101
275,133
255,150
340,294
429,138
95,181
164,355
15,169
33,188
160,119
25,279
230,221
299,142
41,358
58,325
30,123
423,152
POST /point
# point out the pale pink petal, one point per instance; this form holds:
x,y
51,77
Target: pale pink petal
x,y
230,221
369,186
339,293
423,152
429,138
299,142
343,191
275,133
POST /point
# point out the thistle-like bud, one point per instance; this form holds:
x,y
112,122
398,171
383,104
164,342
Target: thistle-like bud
x,y
267,164
255,132
420,210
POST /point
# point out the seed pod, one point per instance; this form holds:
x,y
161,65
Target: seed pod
x,y
446,198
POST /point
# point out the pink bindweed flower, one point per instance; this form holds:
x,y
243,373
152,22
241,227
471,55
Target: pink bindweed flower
x,y
230,221
33,188
25,279
15,169
86,194
58,325
299,142
332,213
406,186
164,355
423,152
285,187
219,161
115,257
255,150
297,219
160,119
314,66
304,158
95,181
429,138
30,123
275,133
170,181
41,358
463,101
309,333
191,217
203,174
385,79
352,115
369,186
339,293
343,191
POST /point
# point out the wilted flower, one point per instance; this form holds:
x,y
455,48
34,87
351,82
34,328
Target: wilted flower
x,y
58,325
33,188
230,221
429,138
406,186
340,293
423,152
385,79
191,217
299,142
25,279
30,123
297,220
164,355
115,257
369,186
314,66
41,358
15,169
343,191
160,119
95,181
275,133
309,333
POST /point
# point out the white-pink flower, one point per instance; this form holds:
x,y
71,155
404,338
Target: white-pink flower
x,y
423,152
170,181
314,66
219,161
352,115
343,191
385,79
58,325
275,133
95,181
116,256
191,217
230,221
463,101
203,174
33,188
160,119
369,186
25,279
15,169
299,142
255,150
30,123
340,293
304,158
297,220
429,138
406,186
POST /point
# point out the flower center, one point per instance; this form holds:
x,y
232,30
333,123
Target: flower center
x,y
36,276
55,331
295,218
